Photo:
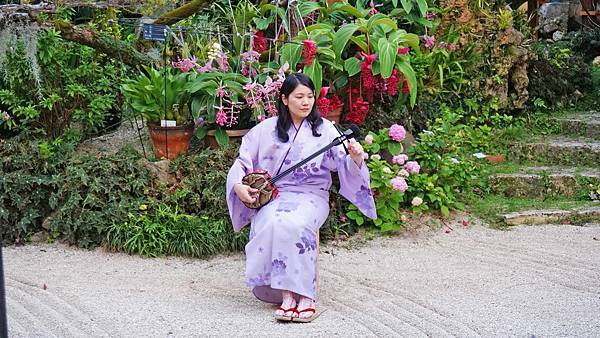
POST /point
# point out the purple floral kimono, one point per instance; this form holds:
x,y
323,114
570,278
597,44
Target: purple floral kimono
x,y
281,253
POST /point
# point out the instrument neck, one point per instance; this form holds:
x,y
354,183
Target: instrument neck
x,y
335,142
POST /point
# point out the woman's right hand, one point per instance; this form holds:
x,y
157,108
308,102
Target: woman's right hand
x,y
245,193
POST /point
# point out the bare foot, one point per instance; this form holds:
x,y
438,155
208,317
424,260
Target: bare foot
x,y
288,303
303,304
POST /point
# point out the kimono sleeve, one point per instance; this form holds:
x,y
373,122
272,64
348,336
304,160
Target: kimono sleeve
x,y
355,182
244,164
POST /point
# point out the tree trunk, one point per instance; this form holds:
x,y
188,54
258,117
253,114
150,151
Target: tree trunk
x,y
114,48
181,13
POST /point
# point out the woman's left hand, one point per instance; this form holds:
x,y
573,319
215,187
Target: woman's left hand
x,y
356,152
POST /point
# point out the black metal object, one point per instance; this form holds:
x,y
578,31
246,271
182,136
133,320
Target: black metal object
x,y
3,320
155,32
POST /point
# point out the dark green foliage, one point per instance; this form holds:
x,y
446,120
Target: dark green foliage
x,y
557,73
585,42
27,179
94,189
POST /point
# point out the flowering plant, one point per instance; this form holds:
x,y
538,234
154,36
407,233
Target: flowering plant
x,y
389,178
327,105
216,94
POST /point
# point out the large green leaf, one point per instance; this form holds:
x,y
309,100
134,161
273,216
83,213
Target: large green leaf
x,y
290,53
221,136
350,10
360,41
352,66
387,56
406,69
201,132
341,38
307,7
383,21
422,7
410,39
319,26
394,148
327,52
407,5
263,23
315,72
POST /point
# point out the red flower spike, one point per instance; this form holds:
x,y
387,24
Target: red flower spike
x,y
309,52
403,50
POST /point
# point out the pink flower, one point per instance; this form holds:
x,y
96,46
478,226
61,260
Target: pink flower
x,y
221,117
429,41
222,61
399,183
430,16
400,159
260,118
403,50
206,68
250,56
369,139
413,167
221,92
452,47
397,132
185,65
442,44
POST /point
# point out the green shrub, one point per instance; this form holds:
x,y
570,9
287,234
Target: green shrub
x,y
93,191
28,176
161,230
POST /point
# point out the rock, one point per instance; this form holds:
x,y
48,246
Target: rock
x,y
554,16
159,171
39,237
535,217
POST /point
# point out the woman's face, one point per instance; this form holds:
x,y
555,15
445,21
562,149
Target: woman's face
x,y
300,102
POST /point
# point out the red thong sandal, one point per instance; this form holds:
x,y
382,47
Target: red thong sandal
x,y
314,315
283,317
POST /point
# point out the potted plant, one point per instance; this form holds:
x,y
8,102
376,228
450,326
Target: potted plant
x,y
217,99
162,98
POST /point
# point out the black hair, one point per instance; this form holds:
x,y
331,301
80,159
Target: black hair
x,y
284,120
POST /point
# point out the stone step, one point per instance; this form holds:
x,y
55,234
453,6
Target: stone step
x,y
558,150
542,182
580,216
583,124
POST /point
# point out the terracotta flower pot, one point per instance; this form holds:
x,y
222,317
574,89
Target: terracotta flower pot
x,y
233,135
334,115
169,142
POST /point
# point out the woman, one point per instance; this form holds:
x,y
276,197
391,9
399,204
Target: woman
x,y
281,254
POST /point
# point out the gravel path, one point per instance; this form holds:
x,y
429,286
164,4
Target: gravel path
x,y
474,281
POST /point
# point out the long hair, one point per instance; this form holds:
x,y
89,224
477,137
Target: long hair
x,y
284,120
